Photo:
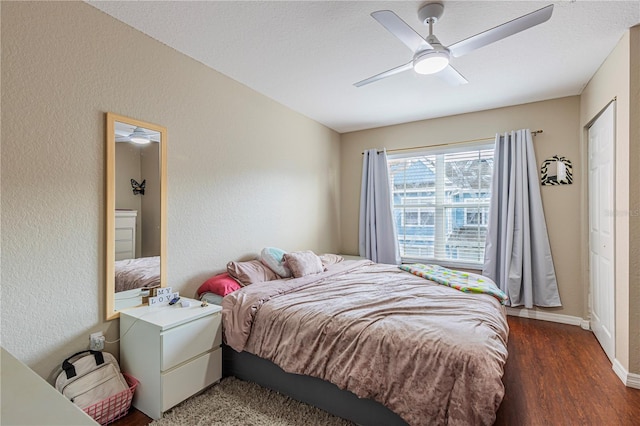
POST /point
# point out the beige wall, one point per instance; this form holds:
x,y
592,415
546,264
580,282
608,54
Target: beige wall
x,y
150,202
127,168
618,77
634,201
142,163
243,171
558,118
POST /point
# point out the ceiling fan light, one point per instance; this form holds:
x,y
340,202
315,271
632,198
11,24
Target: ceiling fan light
x,y
431,62
139,136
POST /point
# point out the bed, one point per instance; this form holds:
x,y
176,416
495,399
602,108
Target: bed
x,y
371,343
140,273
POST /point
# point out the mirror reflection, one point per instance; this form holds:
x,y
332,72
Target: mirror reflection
x,y
135,243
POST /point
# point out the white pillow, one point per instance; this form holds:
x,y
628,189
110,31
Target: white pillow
x,y
273,258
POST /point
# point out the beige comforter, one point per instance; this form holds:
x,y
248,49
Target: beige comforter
x,y
430,353
143,272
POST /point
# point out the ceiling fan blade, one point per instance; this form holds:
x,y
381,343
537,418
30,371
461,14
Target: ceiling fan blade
x,y
451,76
396,26
501,31
389,73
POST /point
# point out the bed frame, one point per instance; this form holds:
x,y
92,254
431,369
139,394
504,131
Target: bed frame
x,y
310,390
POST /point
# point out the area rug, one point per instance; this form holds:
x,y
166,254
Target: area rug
x,y
236,402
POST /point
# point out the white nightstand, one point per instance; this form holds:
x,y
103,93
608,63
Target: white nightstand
x,y
174,352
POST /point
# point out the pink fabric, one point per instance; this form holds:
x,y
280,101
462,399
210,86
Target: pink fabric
x,y
330,259
432,354
303,263
221,284
143,272
250,272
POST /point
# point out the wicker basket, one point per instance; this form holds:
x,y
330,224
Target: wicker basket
x,y
115,407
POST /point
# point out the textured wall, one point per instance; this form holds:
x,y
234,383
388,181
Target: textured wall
x,y
128,166
150,203
634,201
243,171
559,120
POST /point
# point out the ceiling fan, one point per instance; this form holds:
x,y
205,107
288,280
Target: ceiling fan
x,y
138,135
430,56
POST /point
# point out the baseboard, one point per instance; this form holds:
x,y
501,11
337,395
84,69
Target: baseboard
x,y
633,380
548,316
629,379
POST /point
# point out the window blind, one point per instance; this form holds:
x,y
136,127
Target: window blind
x,y
441,203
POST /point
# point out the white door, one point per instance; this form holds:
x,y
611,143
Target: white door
x,y
601,229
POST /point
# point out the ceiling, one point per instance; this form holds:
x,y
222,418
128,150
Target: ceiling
x,y
307,54
123,132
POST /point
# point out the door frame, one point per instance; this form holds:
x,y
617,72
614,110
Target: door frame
x,y
612,103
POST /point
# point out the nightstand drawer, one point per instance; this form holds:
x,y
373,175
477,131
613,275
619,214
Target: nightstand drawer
x,y
191,378
189,340
124,234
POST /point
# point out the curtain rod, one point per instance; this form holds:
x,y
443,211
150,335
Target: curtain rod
x,y
533,133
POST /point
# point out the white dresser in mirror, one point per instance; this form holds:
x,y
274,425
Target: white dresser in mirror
x,y
125,243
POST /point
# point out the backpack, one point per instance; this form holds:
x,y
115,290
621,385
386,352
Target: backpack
x,y
91,379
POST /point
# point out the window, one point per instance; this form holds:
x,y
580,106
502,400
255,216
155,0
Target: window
x,y
419,217
441,204
411,218
476,215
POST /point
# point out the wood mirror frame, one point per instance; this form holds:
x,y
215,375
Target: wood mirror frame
x,y
114,121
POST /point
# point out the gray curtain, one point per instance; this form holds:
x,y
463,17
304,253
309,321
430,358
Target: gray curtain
x,y
377,239
517,253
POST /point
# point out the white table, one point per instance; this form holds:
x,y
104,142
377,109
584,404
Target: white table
x,y
27,399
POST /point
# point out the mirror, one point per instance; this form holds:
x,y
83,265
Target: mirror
x,y
136,180
556,170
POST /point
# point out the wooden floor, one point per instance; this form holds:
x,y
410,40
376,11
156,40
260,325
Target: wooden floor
x,y
556,375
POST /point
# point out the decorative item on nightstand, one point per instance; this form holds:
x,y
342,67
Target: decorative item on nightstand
x,y
163,296
174,351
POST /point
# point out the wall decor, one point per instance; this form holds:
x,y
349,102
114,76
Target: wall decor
x,y
138,188
556,170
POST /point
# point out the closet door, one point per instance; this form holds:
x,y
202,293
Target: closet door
x,y
601,229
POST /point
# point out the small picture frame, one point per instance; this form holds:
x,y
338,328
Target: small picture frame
x,y
556,170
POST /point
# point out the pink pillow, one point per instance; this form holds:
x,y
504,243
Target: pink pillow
x,y
329,259
303,263
249,272
221,284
